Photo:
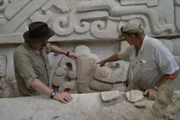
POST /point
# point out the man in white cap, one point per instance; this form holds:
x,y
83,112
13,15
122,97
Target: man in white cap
x,y
31,63
151,63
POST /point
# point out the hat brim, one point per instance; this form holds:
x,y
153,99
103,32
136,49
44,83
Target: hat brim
x,y
28,39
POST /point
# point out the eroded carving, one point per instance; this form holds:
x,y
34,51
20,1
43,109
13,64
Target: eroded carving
x,y
94,19
139,2
36,16
65,75
118,10
60,4
8,86
163,99
3,5
84,75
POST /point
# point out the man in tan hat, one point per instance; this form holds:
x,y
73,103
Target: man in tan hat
x,y
31,63
151,63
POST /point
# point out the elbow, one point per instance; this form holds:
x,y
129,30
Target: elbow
x,y
34,83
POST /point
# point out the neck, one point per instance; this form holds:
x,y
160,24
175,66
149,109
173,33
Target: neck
x,y
138,46
35,47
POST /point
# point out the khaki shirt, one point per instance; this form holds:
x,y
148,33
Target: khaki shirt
x,y
152,62
30,64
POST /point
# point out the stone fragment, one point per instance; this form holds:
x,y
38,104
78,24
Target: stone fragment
x,y
109,96
134,95
140,104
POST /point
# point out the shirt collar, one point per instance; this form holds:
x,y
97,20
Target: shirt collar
x,y
143,42
34,52
142,45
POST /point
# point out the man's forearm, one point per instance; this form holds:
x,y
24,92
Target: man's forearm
x,y
164,78
56,49
41,87
114,57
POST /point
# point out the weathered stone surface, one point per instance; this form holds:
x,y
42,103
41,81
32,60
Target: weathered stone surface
x,y
87,20
83,107
163,99
134,95
141,104
109,96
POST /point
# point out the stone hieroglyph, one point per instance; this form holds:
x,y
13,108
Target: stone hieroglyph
x,y
87,19
84,75
8,87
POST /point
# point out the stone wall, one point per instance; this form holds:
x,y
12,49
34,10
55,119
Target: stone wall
x,y
94,23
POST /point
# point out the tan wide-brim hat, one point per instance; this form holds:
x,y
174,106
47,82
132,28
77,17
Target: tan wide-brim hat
x,y
38,32
131,27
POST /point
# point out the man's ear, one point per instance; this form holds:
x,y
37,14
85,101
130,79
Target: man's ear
x,y
133,36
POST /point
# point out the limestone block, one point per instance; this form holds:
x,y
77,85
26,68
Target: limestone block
x,y
23,14
2,66
121,87
141,104
68,86
177,17
176,95
138,2
85,74
84,50
82,107
37,16
83,88
15,7
116,74
65,68
134,95
176,48
100,86
109,96
163,99
60,4
177,58
4,4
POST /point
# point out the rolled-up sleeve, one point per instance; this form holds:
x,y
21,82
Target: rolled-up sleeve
x,y
24,68
165,60
125,54
48,48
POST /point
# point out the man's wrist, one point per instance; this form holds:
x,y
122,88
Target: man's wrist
x,y
155,87
67,53
53,93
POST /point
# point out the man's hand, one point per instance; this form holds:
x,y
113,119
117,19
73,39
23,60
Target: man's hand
x,y
63,97
72,55
102,63
151,93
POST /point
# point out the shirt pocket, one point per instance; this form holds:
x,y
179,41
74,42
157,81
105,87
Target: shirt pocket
x,y
147,66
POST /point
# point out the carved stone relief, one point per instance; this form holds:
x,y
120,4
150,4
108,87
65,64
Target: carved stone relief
x,y
100,19
84,75
84,20
8,87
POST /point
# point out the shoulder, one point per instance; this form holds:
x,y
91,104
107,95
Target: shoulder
x,y
153,42
21,49
21,53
